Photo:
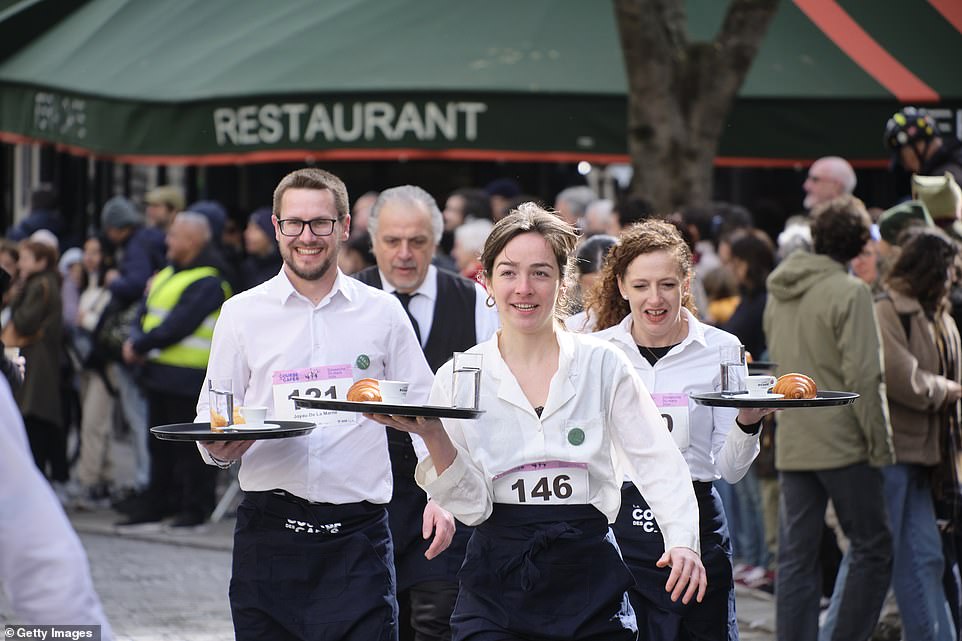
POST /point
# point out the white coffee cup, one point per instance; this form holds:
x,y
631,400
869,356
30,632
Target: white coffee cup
x,y
253,414
759,384
393,392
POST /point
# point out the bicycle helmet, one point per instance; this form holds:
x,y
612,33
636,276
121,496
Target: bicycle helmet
x,y
907,126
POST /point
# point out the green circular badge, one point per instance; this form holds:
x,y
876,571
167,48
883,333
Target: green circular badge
x,y
363,361
576,436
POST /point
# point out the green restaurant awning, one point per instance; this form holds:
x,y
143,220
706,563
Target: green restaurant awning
x,y
234,81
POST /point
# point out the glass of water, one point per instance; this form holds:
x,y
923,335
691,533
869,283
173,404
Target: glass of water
x,y
734,369
221,396
466,382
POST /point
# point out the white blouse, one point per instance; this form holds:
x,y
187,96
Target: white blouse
x,y
598,413
714,447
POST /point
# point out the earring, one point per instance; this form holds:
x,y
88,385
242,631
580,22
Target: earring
x,y
489,301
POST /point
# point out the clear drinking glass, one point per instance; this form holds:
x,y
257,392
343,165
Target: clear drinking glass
x,y
221,396
466,383
734,369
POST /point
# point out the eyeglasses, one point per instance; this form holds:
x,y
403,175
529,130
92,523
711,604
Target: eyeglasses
x,y
295,227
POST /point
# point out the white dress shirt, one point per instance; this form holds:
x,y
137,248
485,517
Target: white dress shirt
x,y
716,447
43,566
356,331
486,321
594,394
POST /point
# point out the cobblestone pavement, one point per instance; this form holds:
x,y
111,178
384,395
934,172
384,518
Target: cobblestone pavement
x,y
173,587
160,592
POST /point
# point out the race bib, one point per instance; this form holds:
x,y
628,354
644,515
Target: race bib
x,y
674,410
545,483
330,382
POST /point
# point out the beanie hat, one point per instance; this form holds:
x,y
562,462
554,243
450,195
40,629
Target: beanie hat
x,y
504,187
216,215
941,195
46,237
70,257
895,220
118,212
168,195
262,218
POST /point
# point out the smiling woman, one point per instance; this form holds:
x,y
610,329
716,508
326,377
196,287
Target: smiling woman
x,y
643,305
537,474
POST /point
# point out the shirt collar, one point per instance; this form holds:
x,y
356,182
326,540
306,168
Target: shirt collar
x,y
282,287
491,353
428,288
696,331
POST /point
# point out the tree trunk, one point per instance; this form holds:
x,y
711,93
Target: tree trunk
x,y
680,93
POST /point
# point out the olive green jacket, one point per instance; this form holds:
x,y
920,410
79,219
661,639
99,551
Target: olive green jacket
x,y
820,321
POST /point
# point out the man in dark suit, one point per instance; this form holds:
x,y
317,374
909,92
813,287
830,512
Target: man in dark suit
x,y
449,314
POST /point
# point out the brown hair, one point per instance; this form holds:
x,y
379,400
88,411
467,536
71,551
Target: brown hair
x,y
313,178
529,217
920,270
42,251
840,228
604,302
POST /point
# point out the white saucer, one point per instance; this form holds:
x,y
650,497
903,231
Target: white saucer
x,y
241,427
762,397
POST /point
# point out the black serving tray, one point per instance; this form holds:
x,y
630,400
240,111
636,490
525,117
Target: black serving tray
x,y
396,409
823,399
202,431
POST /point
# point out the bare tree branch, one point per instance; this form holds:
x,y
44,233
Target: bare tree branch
x,y
680,93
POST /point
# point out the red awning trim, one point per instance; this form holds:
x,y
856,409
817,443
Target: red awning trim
x,y
868,54
401,155
951,10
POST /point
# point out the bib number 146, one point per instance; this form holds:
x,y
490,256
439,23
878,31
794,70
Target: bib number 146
x,y
543,483
544,488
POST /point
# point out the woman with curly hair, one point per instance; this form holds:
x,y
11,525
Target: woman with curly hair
x,y
643,305
921,350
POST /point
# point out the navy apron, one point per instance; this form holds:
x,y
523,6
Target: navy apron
x,y
546,572
312,571
640,538
406,516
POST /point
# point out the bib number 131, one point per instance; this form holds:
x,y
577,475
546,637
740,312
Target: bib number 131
x,y
330,382
314,392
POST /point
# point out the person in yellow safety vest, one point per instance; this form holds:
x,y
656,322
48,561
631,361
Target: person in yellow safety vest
x,y
172,346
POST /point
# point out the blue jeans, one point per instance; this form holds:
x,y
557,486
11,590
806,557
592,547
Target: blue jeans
x,y
857,493
133,404
752,531
729,500
917,563
917,567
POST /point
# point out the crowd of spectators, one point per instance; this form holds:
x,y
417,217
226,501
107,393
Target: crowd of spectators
x,y
75,309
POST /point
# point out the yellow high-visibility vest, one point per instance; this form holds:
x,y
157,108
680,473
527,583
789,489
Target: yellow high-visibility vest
x,y
165,292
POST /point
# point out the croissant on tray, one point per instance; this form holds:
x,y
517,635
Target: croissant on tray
x,y
365,389
795,386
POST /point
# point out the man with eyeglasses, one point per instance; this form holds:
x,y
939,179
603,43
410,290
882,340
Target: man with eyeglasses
x,y
828,178
449,314
313,555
